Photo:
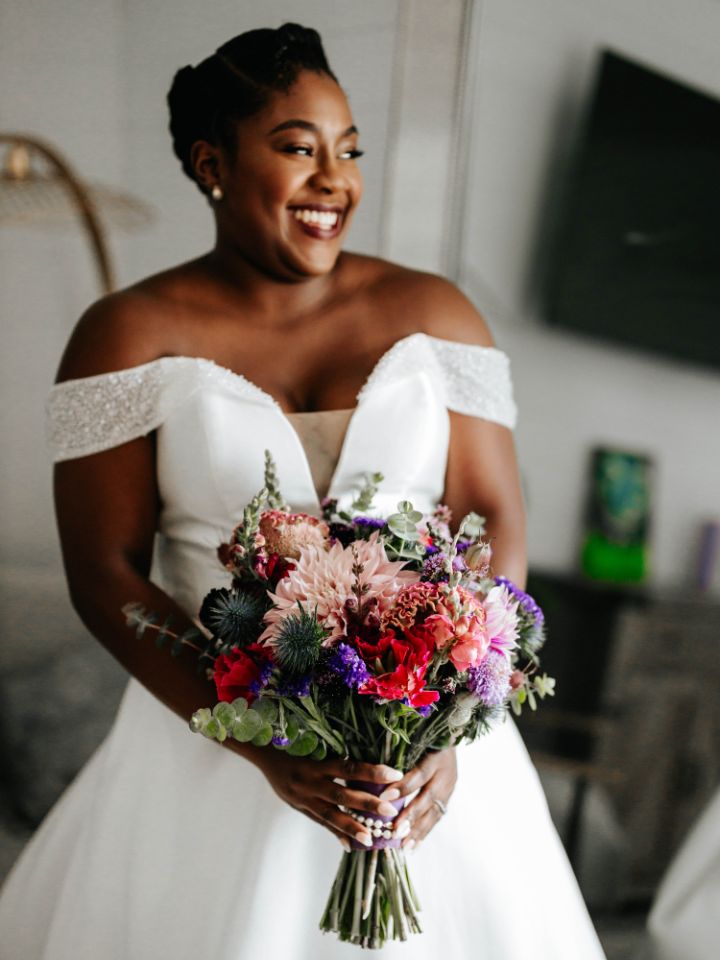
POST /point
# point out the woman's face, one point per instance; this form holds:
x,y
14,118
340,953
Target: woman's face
x,y
292,183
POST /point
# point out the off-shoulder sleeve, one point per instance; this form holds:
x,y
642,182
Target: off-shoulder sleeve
x,y
96,413
476,380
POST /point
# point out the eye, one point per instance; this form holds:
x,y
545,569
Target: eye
x,y
301,149
351,154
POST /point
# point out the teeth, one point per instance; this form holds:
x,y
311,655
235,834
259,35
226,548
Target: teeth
x,y
321,218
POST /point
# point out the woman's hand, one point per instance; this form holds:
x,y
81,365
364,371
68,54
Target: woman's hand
x,y
310,786
435,777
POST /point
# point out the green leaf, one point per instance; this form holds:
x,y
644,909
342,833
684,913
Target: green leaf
x,y
292,729
268,709
224,713
305,744
239,705
247,726
212,728
263,738
200,720
320,752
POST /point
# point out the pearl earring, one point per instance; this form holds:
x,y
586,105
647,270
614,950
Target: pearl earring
x,y
216,192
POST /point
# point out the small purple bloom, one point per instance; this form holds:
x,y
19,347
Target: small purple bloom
x,y
295,687
435,568
368,523
256,686
279,741
348,665
490,681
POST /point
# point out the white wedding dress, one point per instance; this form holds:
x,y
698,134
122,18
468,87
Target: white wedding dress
x,y
168,846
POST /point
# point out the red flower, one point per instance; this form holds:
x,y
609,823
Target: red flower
x,y
237,675
411,653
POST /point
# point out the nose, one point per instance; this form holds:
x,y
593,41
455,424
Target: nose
x,y
328,176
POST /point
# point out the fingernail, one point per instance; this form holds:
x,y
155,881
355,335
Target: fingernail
x,y
393,774
403,830
392,793
364,838
387,810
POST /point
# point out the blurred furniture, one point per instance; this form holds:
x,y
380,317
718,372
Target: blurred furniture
x,y
37,185
636,713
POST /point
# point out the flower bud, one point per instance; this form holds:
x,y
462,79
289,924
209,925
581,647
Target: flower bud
x,y
477,558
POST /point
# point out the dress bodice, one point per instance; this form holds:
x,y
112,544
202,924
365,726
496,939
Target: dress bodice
x,y
213,426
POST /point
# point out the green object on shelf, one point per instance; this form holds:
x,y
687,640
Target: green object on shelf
x,y
603,560
615,546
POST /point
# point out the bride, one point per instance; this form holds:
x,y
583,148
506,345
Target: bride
x,y
167,845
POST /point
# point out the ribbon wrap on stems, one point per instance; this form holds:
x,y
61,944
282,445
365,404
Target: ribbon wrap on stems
x,y
379,842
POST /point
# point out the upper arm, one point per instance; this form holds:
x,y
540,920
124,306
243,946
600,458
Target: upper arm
x,y
107,503
482,472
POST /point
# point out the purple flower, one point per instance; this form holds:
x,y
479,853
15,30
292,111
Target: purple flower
x,y
435,568
295,687
531,619
348,665
265,673
279,741
423,711
490,681
368,523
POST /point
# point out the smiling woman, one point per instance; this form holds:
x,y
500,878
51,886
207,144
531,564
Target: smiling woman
x,y
169,392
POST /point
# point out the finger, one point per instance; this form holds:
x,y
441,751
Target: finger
x,y
422,827
417,777
417,807
336,833
341,822
358,800
358,770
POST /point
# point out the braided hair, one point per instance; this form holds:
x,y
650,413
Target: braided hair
x,y
237,81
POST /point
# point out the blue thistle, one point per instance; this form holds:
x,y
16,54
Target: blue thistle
x,y
233,616
298,642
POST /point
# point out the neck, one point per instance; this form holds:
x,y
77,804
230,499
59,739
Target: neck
x,y
268,295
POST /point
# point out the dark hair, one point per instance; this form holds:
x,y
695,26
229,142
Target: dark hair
x,y
236,82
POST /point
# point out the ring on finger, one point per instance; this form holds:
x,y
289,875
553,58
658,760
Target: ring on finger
x,y
442,807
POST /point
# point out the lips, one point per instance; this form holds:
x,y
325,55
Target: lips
x,y
317,220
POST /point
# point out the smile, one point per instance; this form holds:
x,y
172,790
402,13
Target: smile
x,y
321,218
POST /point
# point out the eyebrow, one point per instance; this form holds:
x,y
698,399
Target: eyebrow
x,y
306,125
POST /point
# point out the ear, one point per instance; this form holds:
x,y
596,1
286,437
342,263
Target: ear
x,y
205,161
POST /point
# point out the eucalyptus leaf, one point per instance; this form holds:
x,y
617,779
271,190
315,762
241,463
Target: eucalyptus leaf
x,y
247,726
224,713
320,752
263,738
239,705
305,744
267,709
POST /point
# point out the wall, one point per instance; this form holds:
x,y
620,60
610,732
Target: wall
x,y
534,64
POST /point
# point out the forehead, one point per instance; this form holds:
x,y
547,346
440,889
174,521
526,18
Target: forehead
x,y
314,97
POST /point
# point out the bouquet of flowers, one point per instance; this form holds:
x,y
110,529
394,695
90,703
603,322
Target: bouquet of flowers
x,y
377,639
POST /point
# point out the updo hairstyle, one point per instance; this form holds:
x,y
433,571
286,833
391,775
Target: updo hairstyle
x,y
237,81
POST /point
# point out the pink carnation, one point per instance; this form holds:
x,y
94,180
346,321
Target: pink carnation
x,y
323,582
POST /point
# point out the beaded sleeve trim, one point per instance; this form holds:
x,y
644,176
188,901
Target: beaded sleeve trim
x,y
96,413
474,380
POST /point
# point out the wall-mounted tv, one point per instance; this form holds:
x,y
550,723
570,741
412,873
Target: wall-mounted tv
x,y
637,257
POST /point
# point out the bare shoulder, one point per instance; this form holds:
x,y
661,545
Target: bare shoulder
x,y
426,303
124,329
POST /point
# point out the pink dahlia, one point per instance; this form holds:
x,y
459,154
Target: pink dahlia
x,y
323,582
502,620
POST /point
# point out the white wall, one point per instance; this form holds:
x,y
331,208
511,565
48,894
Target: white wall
x,y
535,60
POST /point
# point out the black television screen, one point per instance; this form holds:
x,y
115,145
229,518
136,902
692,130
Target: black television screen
x,y
638,252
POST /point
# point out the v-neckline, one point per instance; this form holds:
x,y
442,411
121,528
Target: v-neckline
x,y
365,389
268,398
